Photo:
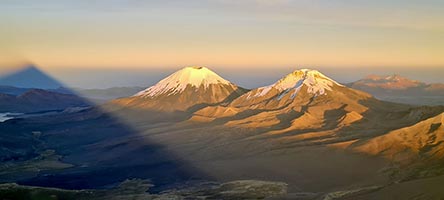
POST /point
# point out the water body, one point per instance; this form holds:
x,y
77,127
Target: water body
x,y
8,116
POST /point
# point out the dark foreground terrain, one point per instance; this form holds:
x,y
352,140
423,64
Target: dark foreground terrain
x,y
138,189
91,152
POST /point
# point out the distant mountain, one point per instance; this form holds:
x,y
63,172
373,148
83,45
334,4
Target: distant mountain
x,y
392,82
29,76
36,100
400,89
185,89
397,84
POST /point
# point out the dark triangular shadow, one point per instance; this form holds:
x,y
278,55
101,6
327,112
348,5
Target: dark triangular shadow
x,y
29,90
101,148
29,76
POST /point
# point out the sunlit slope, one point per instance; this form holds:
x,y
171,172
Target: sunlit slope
x,y
308,108
423,139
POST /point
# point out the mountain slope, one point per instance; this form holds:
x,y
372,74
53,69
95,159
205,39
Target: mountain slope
x,y
36,100
11,90
425,138
299,86
185,89
307,108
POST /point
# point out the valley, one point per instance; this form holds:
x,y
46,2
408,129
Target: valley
x,y
320,138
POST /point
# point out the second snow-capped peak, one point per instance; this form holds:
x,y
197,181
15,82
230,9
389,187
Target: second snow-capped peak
x,y
177,82
316,83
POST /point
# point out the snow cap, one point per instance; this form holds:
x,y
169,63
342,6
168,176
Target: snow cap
x,y
194,76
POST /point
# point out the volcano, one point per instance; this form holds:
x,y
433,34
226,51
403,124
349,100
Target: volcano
x,y
188,88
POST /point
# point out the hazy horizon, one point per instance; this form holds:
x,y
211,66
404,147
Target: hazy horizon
x,y
99,78
248,77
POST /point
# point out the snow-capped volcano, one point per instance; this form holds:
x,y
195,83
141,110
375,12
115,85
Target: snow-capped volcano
x,y
316,83
300,86
184,89
312,82
177,82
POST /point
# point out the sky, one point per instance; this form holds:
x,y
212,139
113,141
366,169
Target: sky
x,y
68,37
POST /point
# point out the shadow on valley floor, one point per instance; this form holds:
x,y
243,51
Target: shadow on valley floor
x,y
104,151
86,148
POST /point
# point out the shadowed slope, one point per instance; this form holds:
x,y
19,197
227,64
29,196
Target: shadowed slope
x,y
103,151
36,100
